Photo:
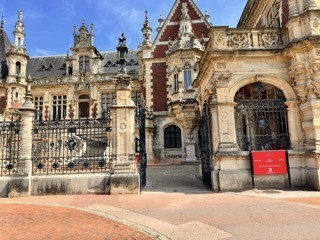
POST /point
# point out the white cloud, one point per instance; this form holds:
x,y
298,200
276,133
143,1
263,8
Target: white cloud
x,y
42,52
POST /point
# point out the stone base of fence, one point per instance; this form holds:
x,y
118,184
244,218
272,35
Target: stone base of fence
x,y
55,185
125,179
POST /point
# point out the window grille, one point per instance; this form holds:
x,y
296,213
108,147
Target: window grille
x,y
261,118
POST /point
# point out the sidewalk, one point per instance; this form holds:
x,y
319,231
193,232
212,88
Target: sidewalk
x,y
184,210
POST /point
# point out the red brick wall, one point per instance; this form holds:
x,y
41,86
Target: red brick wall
x,y
177,14
160,51
285,12
159,90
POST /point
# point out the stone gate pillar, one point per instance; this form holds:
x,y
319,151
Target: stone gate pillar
x,y
125,178
20,186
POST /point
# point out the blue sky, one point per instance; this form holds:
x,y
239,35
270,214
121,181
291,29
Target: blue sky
x,y
49,24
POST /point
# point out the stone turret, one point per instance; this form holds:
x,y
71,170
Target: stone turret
x,y
17,58
146,32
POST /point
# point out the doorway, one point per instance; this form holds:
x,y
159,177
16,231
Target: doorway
x,y
84,106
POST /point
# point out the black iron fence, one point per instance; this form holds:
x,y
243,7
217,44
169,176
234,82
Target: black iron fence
x,y
72,146
9,145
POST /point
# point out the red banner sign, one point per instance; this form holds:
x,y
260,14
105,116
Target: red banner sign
x,y
269,162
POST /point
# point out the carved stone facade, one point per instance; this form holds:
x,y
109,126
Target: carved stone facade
x,y
256,62
265,72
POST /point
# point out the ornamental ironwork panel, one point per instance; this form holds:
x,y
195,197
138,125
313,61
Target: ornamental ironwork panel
x,y
141,120
261,118
205,146
9,145
72,146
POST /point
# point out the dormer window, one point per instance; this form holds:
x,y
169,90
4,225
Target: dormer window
x,y
84,64
187,76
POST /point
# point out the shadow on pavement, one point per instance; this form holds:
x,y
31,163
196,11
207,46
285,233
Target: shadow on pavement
x,y
175,179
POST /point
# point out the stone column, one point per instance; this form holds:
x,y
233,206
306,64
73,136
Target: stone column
x,y
149,135
294,125
310,4
215,129
125,178
227,128
20,186
293,8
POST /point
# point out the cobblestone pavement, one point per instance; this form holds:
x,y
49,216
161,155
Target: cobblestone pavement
x,y
174,205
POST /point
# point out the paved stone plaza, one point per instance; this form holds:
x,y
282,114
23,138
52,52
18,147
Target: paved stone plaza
x,y
185,210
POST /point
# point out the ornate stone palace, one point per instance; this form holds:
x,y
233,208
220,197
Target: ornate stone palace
x,y
258,85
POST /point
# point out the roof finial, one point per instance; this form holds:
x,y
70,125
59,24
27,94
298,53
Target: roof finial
x,y
83,22
207,15
2,23
146,15
20,16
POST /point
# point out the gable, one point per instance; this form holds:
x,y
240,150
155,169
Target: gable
x,y
170,28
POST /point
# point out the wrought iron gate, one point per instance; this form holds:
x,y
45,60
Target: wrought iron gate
x,y
261,118
9,145
72,146
141,120
205,146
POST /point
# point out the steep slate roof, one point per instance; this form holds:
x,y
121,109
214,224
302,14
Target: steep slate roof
x,y
54,66
5,46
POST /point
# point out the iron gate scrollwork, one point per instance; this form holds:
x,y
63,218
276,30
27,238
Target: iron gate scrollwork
x,y
205,147
72,146
261,118
9,144
141,120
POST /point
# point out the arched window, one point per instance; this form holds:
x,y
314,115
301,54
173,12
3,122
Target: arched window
x,y
261,118
187,76
172,137
18,68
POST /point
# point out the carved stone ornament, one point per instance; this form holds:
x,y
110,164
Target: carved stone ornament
x,y
315,25
221,65
122,81
315,69
220,39
222,81
298,73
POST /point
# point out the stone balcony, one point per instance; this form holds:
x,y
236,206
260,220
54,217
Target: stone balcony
x,y
224,38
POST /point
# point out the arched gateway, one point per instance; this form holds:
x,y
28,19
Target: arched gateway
x,y
261,118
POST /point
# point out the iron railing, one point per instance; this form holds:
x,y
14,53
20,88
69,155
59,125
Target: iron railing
x,y
9,145
72,146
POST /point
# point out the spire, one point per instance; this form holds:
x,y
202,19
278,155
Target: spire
x,y
19,33
83,35
185,22
2,23
160,20
92,33
19,24
146,31
207,15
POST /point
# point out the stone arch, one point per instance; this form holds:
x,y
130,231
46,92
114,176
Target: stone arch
x,y
277,82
